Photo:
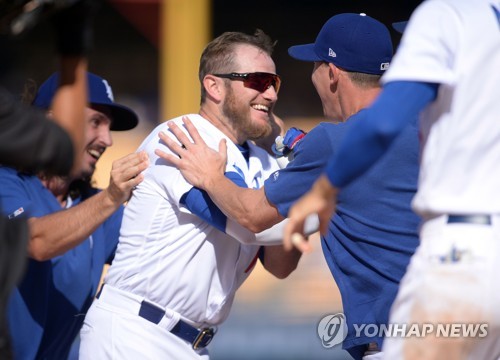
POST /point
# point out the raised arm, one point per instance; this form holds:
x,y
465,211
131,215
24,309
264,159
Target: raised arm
x,y
70,100
56,233
73,36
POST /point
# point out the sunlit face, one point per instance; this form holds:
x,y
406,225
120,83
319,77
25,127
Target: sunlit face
x,y
246,109
97,138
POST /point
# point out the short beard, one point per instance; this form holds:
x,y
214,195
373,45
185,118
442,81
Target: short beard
x,y
239,117
86,174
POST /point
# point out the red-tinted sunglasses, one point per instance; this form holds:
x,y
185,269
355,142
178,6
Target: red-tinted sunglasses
x,y
260,81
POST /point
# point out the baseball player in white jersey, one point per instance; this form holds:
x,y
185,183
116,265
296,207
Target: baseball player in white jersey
x,y
448,66
180,260
452,278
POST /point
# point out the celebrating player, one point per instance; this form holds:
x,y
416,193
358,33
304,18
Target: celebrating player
x,y
446,69
73,229
179,261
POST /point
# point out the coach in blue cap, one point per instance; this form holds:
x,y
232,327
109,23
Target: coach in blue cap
x,y
374,232
370,239
74,229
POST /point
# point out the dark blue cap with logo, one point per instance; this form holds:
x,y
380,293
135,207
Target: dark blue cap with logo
x,y
100,93
353,42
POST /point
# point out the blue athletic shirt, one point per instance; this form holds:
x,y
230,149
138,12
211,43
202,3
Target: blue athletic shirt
x,y
47,309
374,232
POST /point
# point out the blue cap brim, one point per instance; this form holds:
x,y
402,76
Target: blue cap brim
x,y
303,52
400,26
123,118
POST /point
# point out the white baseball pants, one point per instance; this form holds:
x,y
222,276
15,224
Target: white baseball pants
x,y
113,330
451,289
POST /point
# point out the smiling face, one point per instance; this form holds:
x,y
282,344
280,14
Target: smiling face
x,y
97,138
246,110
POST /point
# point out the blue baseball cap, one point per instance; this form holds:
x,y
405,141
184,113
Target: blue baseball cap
x,y
353,42
100,93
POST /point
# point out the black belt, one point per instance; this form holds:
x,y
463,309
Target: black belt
x,y
199,338
470,219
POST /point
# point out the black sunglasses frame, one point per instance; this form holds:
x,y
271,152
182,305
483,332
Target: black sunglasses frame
x,y
255,80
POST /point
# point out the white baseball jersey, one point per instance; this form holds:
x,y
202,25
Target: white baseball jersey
x,y
170,256
456,43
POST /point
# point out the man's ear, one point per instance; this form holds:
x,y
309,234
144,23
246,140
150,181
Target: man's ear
x,y
333,73
214,87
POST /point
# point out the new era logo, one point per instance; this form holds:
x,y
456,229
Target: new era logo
x,y
331,53
384,66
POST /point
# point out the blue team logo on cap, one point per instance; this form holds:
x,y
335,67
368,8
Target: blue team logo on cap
x,y
109,92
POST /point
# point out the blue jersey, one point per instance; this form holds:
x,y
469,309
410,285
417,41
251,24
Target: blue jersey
x,y
374,232
47,309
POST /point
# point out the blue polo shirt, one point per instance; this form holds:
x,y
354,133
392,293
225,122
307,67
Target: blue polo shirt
x,y
47,309
374,232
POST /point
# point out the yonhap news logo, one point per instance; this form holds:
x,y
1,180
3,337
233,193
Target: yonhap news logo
x,y
332,330
449,330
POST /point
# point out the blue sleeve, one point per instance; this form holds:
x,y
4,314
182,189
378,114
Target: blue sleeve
x,y
200,204
398,103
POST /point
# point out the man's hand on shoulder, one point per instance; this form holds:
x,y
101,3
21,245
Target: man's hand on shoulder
x,y
200,165
126,173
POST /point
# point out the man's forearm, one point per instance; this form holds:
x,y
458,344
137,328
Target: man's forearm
x,y
54,234
249,207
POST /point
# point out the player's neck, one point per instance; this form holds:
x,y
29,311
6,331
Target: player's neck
x,y
217,120
357,100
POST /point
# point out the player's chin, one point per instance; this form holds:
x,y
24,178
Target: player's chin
x,y
88,167
259,131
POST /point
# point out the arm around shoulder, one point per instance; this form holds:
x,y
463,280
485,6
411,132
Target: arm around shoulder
x,y
56,233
